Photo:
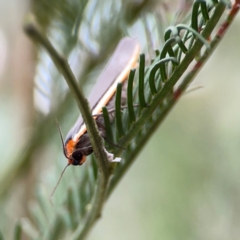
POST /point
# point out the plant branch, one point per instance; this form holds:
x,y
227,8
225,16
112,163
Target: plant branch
x,y
211,24
34,31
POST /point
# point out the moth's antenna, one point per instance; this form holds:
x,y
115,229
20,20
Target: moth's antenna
x,y
113,144
58,181
60,132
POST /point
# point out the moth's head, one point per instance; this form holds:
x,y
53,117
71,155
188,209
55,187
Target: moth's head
x,y
75,156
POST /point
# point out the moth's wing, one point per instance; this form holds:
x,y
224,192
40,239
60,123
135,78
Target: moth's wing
x,y
116,71
122,59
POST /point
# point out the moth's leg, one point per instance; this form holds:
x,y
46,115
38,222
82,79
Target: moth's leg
x,y
101,128
112,110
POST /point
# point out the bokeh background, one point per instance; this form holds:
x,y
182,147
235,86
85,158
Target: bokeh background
x,y
185,184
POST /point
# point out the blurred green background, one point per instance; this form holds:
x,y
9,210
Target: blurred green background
x,y
185,184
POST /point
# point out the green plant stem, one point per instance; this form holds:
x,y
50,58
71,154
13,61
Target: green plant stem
x,y
33,31
162,94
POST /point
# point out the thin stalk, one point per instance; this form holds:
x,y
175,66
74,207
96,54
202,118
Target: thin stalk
x,y
34,31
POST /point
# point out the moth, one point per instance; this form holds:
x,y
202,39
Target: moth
x,y
77,144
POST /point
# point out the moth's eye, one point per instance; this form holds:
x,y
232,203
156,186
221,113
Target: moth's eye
x,y
77,157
